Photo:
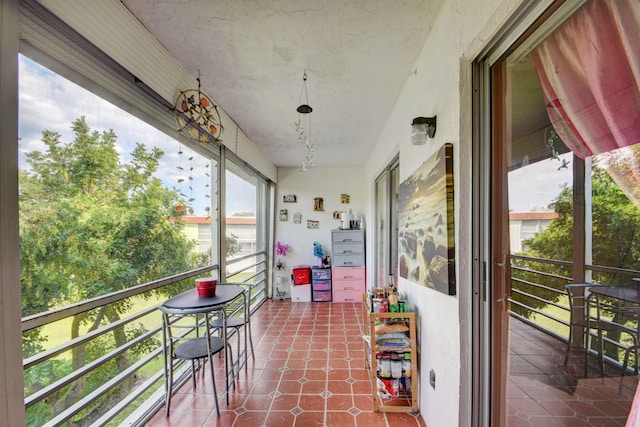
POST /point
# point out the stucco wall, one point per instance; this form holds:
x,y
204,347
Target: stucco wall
x,y
328,183
441,86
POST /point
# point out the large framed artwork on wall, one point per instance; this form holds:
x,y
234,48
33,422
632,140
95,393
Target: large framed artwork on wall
x,y
426,232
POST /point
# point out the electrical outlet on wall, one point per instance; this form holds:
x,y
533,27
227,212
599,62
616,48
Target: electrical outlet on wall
x,y
432,378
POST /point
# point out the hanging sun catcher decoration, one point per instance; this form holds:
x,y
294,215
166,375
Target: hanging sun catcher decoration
x,y
303,126
197,116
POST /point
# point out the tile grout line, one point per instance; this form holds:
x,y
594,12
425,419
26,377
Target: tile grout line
x,y
326,377
272,347
305,368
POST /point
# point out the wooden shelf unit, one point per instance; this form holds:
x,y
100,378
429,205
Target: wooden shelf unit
x,y
407,400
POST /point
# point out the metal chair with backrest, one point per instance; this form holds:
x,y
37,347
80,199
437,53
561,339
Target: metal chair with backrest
x,y
183,340
580,305
578,319
631,349
633,312
238,318
613,301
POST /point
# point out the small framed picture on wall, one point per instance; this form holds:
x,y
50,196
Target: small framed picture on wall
x,y
289,198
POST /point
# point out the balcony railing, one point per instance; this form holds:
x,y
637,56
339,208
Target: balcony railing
x,y
538,298
116,365
132,370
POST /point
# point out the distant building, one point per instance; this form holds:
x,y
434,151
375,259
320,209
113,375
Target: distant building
x,y
522,226
525,225
198,228
244,228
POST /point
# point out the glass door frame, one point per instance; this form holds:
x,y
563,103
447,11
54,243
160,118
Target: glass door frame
x,y
490,205
386,213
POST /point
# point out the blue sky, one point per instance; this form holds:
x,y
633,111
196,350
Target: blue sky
x,y
50,102
538,184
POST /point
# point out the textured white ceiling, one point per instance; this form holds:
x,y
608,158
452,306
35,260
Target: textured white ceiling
x,y
252,56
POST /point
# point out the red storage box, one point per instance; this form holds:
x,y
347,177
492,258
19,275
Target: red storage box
x,y
301,275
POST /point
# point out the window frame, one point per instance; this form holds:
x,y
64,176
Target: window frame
x,y
386,212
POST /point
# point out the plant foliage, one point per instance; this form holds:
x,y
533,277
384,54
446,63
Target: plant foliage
x,y
90,225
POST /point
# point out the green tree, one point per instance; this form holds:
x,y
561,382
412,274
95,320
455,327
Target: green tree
x,y
615,235
553,243
624,165
615,228
233,245
91,225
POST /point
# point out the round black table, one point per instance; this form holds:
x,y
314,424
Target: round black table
x,y
630,306
622,294
190,300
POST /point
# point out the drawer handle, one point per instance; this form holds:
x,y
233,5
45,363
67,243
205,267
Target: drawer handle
x,y
348,240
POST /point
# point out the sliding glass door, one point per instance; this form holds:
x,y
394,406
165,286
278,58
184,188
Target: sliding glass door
x,y
556,204
386,224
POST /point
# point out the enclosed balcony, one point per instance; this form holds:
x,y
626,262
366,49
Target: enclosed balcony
x,y
114,197
309,363
308,366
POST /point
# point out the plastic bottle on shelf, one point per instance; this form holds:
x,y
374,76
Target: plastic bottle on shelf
x,y
406,365
396,368
385,367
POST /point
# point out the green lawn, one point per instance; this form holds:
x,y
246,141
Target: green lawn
x,y
59,332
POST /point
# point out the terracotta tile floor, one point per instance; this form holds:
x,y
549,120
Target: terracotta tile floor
x,y
541,391
308,371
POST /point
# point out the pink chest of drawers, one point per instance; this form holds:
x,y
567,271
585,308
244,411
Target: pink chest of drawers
x,y
348,284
